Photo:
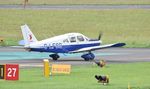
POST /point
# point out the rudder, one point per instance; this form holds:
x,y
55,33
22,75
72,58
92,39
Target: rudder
x,y
28,36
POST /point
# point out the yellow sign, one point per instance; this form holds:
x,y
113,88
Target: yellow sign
x,y
57,68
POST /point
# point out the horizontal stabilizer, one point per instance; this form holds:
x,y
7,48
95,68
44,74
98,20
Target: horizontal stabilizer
x,y
21,42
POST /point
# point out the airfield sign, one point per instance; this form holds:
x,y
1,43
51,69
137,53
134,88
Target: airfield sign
x,y
59,68
12,72
2,71
9,71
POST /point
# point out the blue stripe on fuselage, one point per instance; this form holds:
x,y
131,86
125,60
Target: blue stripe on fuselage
x,y
65,48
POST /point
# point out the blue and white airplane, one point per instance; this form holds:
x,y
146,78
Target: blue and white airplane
x,y
66,43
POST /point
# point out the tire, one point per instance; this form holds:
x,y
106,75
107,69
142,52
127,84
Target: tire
x,y
54,56
86,59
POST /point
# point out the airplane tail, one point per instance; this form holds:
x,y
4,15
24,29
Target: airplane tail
x,y
28,36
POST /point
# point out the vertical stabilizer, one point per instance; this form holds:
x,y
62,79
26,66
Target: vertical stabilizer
x,y
28,36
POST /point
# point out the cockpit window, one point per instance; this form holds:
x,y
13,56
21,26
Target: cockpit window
x,y
66,41
72,39
80,38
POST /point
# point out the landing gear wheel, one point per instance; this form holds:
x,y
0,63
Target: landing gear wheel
x,y
54,56
88,56
86,59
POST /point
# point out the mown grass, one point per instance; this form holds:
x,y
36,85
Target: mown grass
x,y
129,26
82,77
69,2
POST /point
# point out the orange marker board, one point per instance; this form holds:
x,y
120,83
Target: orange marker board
x,y
57,68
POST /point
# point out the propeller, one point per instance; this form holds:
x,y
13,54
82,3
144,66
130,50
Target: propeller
x,y
100,35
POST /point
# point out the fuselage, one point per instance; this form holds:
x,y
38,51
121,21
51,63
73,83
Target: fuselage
x,y
64,43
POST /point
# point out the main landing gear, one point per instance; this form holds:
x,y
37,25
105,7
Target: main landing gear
x,y
54,56
89,56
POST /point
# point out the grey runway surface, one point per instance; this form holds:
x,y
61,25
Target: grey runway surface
x,y
112,55
75,7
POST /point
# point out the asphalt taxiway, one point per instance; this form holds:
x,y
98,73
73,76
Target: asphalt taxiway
x,y
35,59
75,7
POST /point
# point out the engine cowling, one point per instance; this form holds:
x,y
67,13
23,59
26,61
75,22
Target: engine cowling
x,y
88,56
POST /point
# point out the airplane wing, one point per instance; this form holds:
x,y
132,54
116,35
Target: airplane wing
x,y
87,49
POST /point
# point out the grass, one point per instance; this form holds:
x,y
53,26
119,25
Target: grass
x,y
69,2
129,26
82,77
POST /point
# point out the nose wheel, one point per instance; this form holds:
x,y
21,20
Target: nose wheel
x,y
54,56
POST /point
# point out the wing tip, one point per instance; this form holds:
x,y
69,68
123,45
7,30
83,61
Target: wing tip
x,y
119,45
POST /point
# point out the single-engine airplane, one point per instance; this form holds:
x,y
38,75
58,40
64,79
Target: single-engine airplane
x,y
66,43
